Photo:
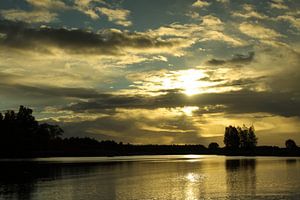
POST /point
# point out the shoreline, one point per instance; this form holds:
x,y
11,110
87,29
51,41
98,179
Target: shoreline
x,y
85,154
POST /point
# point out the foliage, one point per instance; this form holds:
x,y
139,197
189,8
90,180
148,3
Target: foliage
x,y
213,146
231,137
21,132
290,144
240,137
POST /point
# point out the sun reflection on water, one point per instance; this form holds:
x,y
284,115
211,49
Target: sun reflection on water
x,y
192,177
192,188
192,156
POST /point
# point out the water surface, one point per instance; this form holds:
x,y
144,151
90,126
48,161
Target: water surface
x,y
150,177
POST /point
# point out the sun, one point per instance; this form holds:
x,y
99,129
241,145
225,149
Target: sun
x,y
190,81
188,110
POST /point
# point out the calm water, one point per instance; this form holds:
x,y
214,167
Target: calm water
x,y
151,177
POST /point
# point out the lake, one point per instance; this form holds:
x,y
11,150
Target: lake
x,y
150,177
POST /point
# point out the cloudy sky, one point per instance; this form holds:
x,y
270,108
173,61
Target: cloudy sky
x,y
154,71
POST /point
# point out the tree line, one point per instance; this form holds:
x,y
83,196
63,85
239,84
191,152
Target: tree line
x,y
240,137
244,138
22,135
20,131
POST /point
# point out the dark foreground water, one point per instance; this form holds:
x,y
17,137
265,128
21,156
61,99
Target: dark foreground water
x,y
151,177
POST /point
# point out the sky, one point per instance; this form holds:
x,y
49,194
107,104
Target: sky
x,y
154,71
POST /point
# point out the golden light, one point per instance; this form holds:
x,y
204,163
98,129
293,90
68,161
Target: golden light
x,y
192,177
189,81
193,156
188,110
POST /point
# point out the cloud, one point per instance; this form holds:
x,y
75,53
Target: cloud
x,y
42,12
249,12
76,41
93,9
294,21
258,31
193,15
146,119
178,30
140,126
48,4
210,20
158,126
210,29
154,85
207,21
200,4
278,4
220,36
35,16
119,16
224,1
47,11
87,99
236,59
44,91
86,8
39,96
244,101
239,90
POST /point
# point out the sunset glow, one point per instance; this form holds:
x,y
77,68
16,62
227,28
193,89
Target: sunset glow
x,y
167,72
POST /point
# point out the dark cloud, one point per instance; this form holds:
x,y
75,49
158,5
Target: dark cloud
x,y
130,129
286,103
251,102
41,96
245,83
236,59
76,41
138,101
245,101
7,77
48,91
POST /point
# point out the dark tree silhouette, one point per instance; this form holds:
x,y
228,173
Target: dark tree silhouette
x,y
231,137
213,146
21,135
20,132
50,131
248,139
290,144
240,137
252,137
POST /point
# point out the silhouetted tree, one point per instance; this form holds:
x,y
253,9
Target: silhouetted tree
x,y
252,137
290,144
240,137
22,135
231,137
50,131
248,139
213,146
21,132
9,116
243,135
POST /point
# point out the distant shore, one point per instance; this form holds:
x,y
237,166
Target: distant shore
x,y
24,137
133,150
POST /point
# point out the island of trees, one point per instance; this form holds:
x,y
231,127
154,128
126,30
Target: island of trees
x,y
21,135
